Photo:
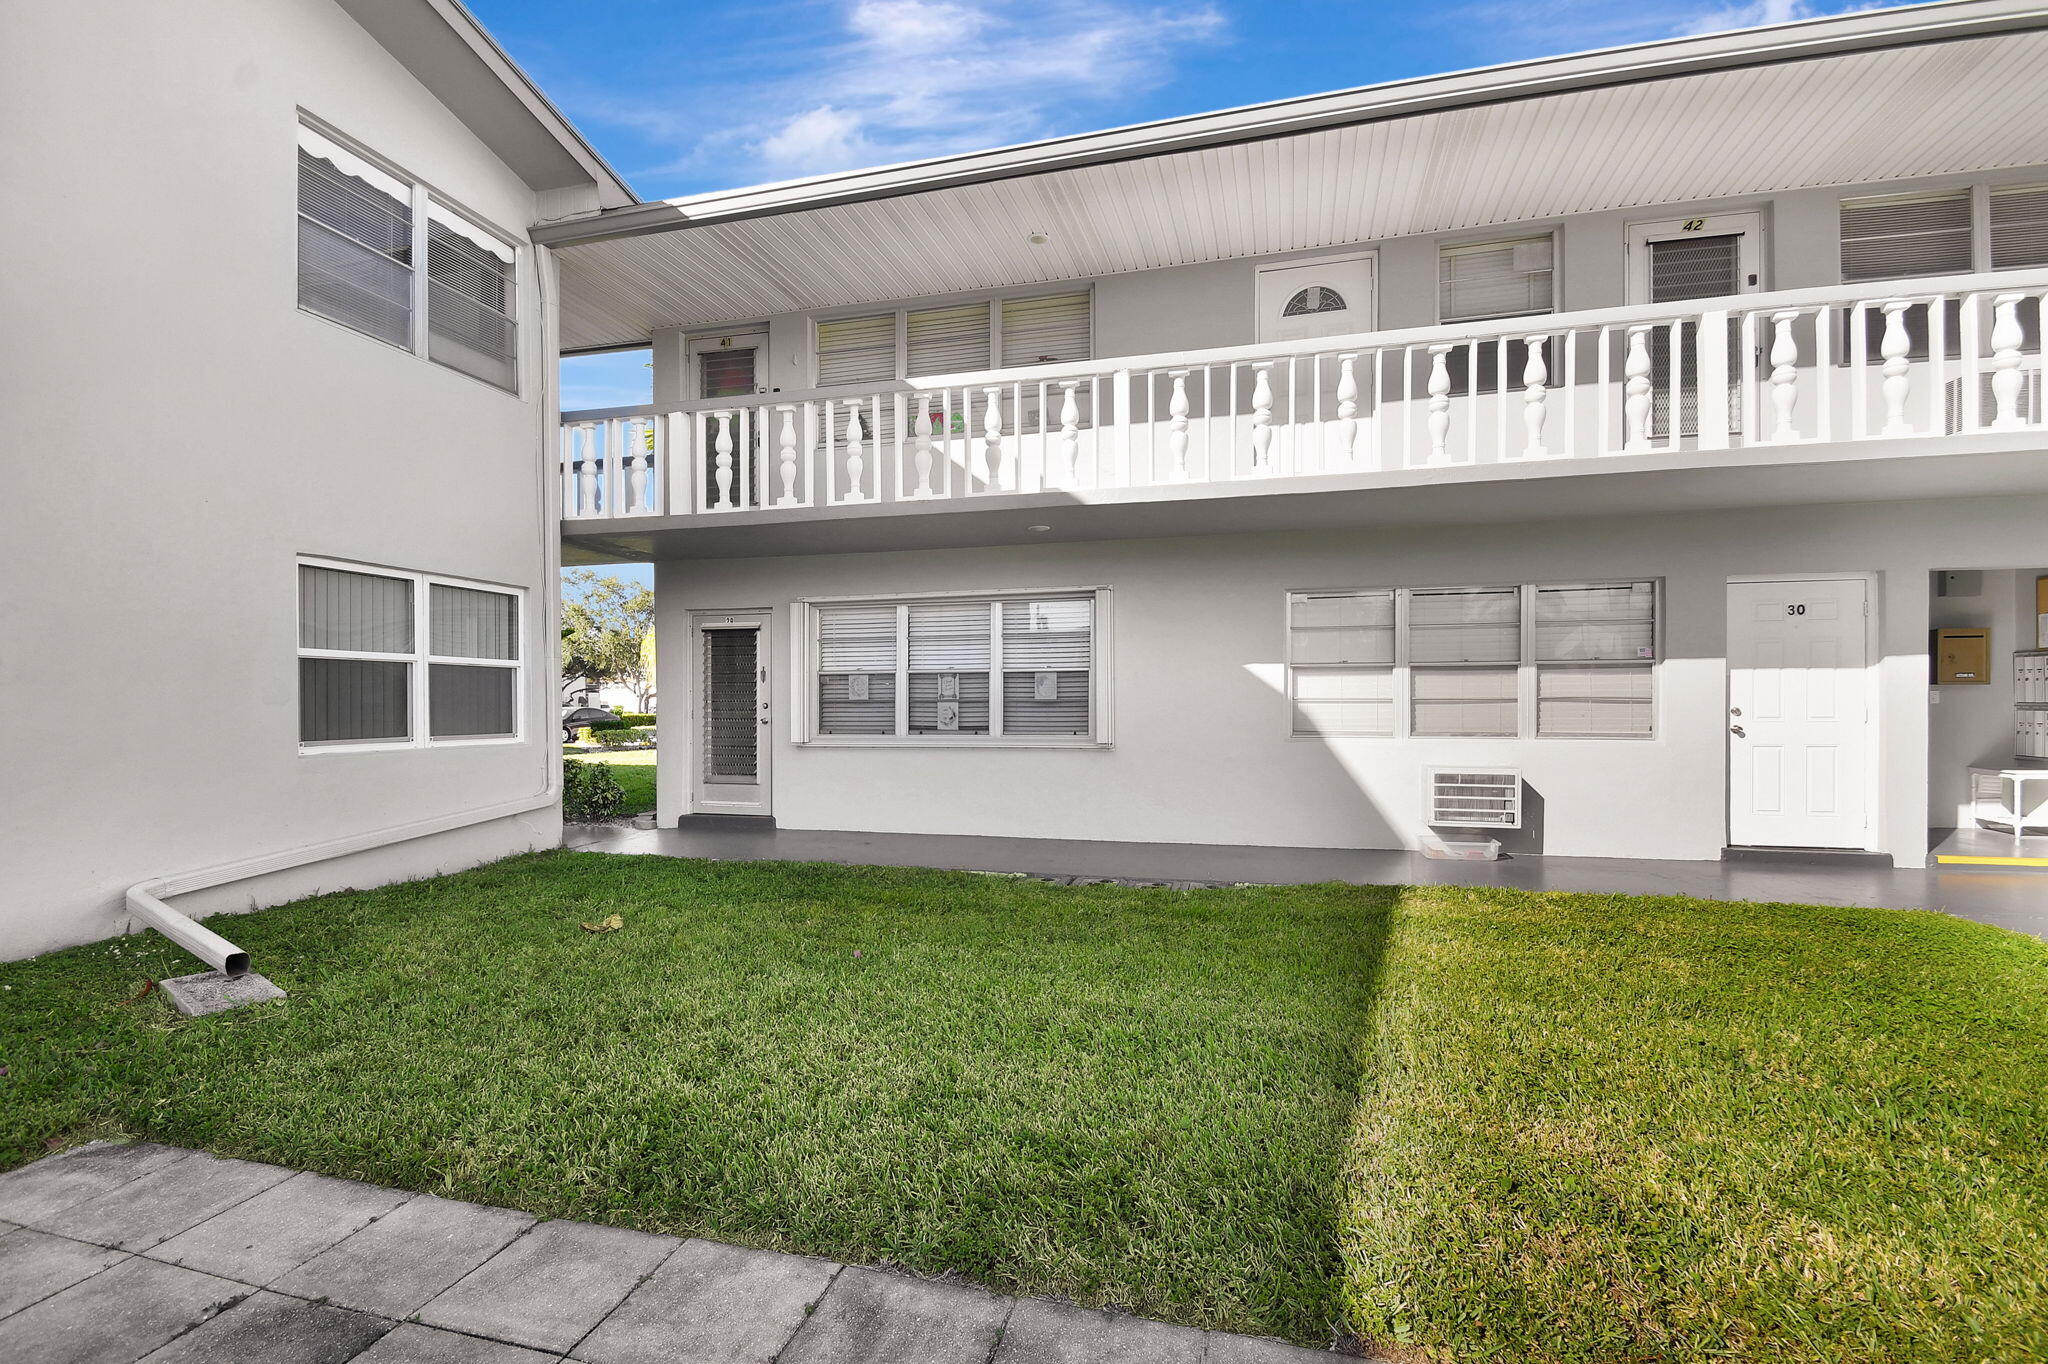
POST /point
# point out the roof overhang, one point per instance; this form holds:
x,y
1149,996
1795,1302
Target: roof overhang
x,y
1861,97
448,51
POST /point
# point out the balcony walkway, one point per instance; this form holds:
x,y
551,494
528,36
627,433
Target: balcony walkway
x,y
2017,900
123,1252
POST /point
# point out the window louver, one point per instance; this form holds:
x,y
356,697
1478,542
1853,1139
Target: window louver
x,y
1495,279
947,340
469,302
1902,235
2019,227
1044,331
731,731
857,350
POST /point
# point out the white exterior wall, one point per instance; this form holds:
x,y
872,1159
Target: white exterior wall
x,y
1191,307
1202,751
176,433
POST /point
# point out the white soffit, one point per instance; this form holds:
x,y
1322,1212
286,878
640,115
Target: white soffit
x,y
1894,113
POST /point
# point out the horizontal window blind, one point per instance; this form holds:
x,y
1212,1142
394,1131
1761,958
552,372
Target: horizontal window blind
x,y
1590,701
1049,330
1341,627
1614,623
857,703
356,612
931,695
1047,634
1495,279
355,251
1466,701
857,350
2019,227
857,639
947,340
469,623
950,636
1344,700
470,300
1478,625
1902,235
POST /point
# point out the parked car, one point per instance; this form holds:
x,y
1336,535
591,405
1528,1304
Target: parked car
x,y
576,717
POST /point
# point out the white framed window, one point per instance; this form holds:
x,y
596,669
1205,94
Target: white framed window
x,y
1513,278
1563,661
1026,668
1897,236
2019,226
391,659
364,229
953,338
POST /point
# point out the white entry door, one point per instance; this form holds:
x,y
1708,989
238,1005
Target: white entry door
x,y
731,716
1332,296
1799,764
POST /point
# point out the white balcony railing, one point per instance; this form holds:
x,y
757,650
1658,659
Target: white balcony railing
x,y
1925,358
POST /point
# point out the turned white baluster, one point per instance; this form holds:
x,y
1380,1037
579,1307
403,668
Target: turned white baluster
x,y
1177,429
1070,434
854,463
1635,403
999,475
785,449
1535,397
1347,408
2006,378
722,470
1262,416
639,441
586,447
1897,387
1784,375
922,449
1439,403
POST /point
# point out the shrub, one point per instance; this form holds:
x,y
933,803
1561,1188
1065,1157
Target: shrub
x,y
606,724
621,738
589,791
637,717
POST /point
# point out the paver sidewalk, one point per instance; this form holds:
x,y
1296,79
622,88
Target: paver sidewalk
x,y
113,1254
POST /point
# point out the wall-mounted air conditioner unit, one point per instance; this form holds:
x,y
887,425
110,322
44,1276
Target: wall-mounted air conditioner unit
x,y
1987,404
1473,798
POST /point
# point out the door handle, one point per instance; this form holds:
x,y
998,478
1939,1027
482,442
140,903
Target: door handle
x,y
1737,731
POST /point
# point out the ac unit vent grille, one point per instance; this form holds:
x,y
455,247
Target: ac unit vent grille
x,y
1465,799
1958,417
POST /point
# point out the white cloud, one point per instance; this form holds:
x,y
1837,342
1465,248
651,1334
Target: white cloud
x,y
895,80
1511,29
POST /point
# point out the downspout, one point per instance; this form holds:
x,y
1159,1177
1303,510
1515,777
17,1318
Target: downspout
x,y
145,899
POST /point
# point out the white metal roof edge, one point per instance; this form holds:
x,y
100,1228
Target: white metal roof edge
x,y
1940,21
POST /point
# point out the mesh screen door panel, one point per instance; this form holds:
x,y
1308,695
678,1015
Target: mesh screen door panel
x,y
1681,269
731,729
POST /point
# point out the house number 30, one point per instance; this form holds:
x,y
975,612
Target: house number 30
x,y
1797,608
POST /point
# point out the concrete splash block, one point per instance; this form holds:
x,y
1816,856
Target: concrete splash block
x,y
214,992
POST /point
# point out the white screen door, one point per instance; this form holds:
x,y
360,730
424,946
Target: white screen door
x,y
731,718
1679,261
1331,297
1799,766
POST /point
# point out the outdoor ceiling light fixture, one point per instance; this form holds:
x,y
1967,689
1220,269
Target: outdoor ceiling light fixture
x,y
1038,530
1038,238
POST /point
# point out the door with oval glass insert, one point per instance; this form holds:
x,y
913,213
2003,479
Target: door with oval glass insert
x,y
1330,296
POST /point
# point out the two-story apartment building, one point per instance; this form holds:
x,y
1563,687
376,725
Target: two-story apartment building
x,y
278,407
1578,438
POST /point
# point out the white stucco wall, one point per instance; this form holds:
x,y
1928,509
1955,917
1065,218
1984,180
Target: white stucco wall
x,y
1212,304
1202,752
176,432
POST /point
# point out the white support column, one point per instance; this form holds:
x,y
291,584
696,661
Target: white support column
x,y
1784,376
855,465
1177,431
1535,397
1070,434
1001,476
2006,379
785,451
921,448
722,477
1262,417
1439,403
1347,409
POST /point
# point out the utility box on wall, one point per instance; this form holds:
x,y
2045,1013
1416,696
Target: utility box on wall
x,y
1962,656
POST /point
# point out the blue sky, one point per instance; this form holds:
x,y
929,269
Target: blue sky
x,y
683,96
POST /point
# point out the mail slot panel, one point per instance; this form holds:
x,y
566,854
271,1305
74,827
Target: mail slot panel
x,y
1962,657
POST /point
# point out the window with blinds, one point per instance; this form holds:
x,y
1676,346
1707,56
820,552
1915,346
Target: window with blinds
x,y
363,232
355,241
1578,659
379,650
2019,226
958,667
958,338
1340,647
1897,236
1496,279
470,298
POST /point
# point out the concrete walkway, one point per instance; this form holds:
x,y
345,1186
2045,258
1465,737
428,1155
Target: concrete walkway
x,y
2017,900
112,1254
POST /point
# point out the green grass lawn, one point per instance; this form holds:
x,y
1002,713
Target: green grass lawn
x,y
633,770
1467,1124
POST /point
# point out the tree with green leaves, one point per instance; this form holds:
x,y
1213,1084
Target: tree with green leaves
x,y
607,632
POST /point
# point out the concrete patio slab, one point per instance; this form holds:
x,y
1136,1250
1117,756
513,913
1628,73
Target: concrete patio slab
x,y
712,1304
215,992
116,1317
37,1192
403,1260
279,1229
868,1317
164,1202
1260,1350
34,1265
551,1286
275,1330
411,1344
1041,1332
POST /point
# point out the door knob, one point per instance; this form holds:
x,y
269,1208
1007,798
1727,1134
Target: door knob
x,y
1737,731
